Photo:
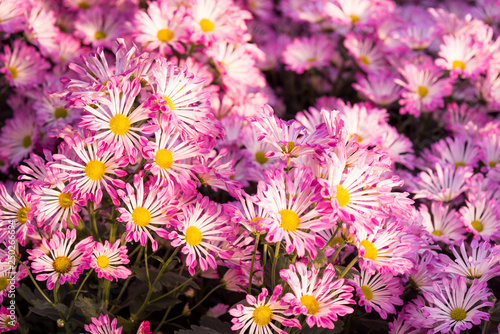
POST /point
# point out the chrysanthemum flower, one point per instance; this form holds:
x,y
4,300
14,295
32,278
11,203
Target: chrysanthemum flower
x,y
200,227
489,152
481,217
462,56
65,260
146,209
89,176
246,212
355,12
42,30
380,292
12,14
22,65
383,249
308,52
367,52
115,119
288,202
22,210
445,224
162,26
257,318
103,325
458,151
424,88
380,88
99,26
322,300
20,135
455,306
7,323
427,270
107,260
419,34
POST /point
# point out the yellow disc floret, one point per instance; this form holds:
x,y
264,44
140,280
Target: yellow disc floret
x,y
458,314
260,157
289,220
342,196
22,215
310,303
102,261
206,25
95,170
262,315
193,236
141,216
60,113
165,35
458,64
477,225
13,72
437,233
62,264
3,283
100,35
119,124
27,141
370,250
367,292
164,158
422,91
65,200
170,103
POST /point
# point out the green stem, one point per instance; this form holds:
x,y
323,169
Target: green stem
x,y
331,239
275,261
56,293
337,252
252,264
94,221
349,266
175,289
72,309
114,227
146,262
37,286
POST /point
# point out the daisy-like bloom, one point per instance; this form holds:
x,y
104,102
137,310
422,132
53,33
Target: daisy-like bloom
x,y
42,30
146,209
217,20
89,176
100,27
144,328
12,14
107,260
308,52
454,306
288,201
489,152
481,217
51,112
380,292
355,12
445,224
168,155
179,93
20,135
481,264
103,325
162,26
322,300
427,270
115,119
65,260
461,55
424,88
201,228
22,65
419,34
8,321
258,316
367,51
458,151
21,209
444,184
246,212
398,146
380,88
383,249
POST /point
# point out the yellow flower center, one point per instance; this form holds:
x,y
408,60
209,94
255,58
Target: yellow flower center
x,y
260,157
206,25
262,315
119,124
437,233
289,147
83,5
422,91
100,35
62,264
13,72
193,236
65,200
311,303
3,283
458,64
367,292
164,158
9,322
364,60
312,59
141,216
354,18
289,220
493,164
22,215
478,226
95,170
165,35
27,141
459,164
170,103
370,250
458,314
336,241
60,113
102,261
342,196
474,273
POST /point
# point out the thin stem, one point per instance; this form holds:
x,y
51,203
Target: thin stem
x,y
252,264
331,239
37,286
175,289
146,262
114,227
93,220
349,266
337,252
275,260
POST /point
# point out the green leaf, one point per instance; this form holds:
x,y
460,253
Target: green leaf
x,y
282,263
157,258
350,273
320,260
171,280
127,324
216,324
88,307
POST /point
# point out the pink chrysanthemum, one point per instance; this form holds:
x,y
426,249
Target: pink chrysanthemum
x,y
481,217
12,13
8,321
103,325
65,260
107,260
99,26
445,224
322,300
20,135
380,88
308,52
